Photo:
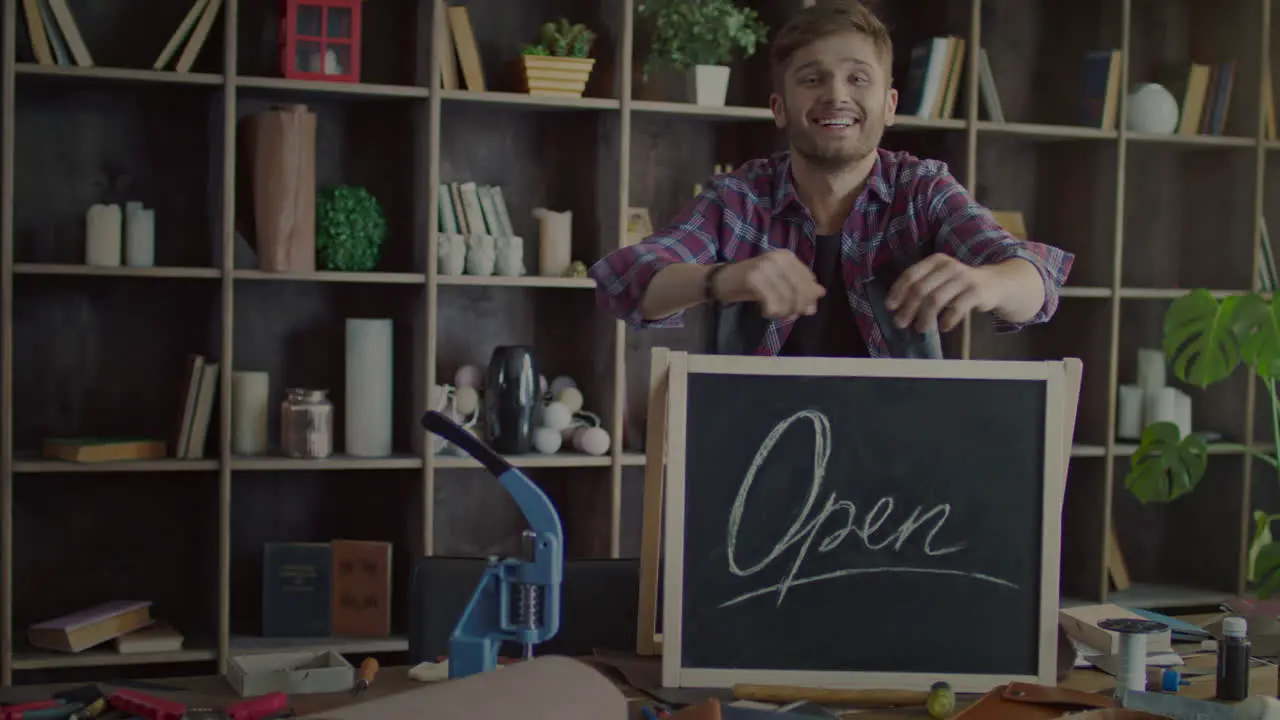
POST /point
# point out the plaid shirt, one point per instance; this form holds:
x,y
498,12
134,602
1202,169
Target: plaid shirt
x,y
909,209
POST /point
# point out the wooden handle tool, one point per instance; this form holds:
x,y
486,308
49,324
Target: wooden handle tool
x,y
782,694
368,670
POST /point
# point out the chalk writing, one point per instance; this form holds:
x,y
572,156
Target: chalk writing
x,y
804,530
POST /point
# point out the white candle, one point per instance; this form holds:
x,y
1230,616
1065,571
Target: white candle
x,y
1150,368
1161,405
1182,412
250,399
1129,413
103,225
140,236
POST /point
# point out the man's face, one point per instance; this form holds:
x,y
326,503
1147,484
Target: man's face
x,y
836,100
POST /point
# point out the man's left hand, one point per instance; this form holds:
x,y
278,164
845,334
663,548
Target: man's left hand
x,y
943,291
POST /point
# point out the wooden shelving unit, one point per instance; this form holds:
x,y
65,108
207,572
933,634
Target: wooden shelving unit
x,y
93,349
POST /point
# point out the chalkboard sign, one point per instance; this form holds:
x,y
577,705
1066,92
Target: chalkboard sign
x,y
863,523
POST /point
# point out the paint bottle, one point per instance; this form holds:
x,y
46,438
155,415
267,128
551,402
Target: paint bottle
x,y
1233,660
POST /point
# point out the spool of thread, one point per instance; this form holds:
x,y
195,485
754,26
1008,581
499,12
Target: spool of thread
x,y
1133,634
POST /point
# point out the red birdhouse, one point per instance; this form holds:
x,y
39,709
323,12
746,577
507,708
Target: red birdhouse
x,y
320,40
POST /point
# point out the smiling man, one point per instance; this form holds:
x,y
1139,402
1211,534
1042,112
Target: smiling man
x,y
840,248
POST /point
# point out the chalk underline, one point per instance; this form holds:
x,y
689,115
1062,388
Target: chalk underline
x,y
863,571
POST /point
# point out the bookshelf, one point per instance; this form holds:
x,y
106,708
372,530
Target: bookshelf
x,y
87,349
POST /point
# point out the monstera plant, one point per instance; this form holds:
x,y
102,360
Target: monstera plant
x,y
1206,340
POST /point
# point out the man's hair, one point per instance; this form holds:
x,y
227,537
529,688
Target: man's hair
x,y
824,19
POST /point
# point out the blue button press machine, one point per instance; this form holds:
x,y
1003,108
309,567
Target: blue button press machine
x,y
518,599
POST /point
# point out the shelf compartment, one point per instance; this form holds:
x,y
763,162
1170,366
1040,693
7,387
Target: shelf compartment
x,y
1066,193
1193,542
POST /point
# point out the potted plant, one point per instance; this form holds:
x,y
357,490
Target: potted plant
x,y
1205,341
700,38
559,63
350,229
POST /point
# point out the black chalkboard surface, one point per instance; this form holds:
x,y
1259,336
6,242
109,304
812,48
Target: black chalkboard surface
x,y
863,522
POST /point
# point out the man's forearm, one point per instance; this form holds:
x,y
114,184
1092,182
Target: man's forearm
x,y
1023,290
676,287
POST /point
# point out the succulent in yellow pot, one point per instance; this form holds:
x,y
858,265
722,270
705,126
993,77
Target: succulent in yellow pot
x,y
559,64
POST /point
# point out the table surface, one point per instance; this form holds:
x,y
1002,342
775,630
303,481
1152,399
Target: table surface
x,y
215,691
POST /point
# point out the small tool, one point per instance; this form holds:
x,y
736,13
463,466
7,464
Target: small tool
x,y
368,670
518,599
1175,706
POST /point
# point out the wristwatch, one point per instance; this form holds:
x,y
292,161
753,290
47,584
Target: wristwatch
x,y
708,284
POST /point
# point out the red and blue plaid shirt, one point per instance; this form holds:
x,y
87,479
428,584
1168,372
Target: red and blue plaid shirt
x,y
909,208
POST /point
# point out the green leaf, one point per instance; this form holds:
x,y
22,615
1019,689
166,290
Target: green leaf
x,y
1267,570
1201,337
1165,467
1257,321
1261,538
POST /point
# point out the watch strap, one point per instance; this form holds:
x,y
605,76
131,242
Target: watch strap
x,y
708,283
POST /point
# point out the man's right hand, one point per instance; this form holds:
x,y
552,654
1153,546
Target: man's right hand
x,y
784,286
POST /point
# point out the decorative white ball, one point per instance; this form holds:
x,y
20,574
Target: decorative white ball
x,y
465,400
546,440
468,376
594,441
575,433
556,416
560,383
571,398
1152,109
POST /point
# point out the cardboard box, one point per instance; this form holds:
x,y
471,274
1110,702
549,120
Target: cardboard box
x,y
290,673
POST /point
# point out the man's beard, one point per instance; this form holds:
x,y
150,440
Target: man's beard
x,y
832,157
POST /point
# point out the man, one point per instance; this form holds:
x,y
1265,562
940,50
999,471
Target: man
x,y
841,245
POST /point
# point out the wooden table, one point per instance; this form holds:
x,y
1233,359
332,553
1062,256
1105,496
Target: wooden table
x,y
215,691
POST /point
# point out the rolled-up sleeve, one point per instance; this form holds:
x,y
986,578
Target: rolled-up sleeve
x,y
623,275
967,231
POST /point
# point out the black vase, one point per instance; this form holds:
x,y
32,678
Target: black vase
x,y
512,399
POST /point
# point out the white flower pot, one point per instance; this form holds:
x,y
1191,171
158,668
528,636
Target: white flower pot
x,y
708,84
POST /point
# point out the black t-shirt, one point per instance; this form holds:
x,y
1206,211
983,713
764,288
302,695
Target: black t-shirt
x,y
833,330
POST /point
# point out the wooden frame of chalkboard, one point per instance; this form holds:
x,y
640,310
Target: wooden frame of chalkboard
x,y
983,617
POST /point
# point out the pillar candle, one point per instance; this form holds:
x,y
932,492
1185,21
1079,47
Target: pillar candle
x,y
368,405
250,399
103,226
140,236
1129,413
1150,368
